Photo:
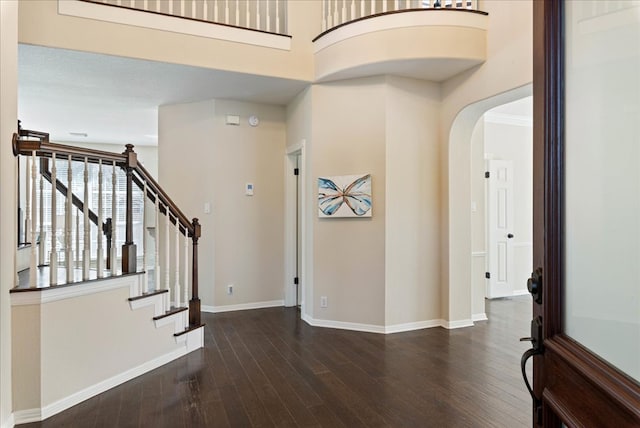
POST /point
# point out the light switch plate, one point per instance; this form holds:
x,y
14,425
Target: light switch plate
x,y
248,189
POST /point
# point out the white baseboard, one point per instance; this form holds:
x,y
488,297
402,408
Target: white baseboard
x,y
372,328
9,423
242,306
35,415
450,325
521,292
479,317
342,325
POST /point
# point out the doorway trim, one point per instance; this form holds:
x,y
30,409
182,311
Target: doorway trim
x,y
459,294
290,247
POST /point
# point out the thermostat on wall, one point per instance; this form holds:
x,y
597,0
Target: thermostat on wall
x,y
253,120
248,189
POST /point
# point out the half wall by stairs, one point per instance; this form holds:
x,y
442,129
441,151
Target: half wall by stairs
x,y
71,343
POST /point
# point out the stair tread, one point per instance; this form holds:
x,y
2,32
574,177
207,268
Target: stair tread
x,y
170,312
149,294
188,329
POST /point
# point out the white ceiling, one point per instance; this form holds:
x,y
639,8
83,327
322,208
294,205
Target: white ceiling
x,y
116,99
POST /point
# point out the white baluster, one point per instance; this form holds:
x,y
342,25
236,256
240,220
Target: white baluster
x,y
226,12
27,213
205,11
353,10
41,243
278,16
182,8
145,5
194,10
237,13
344,10
145,280
362,3
324,15
396,5
176,284
86,255
384,6
114,220
156,258
247,22
185,268
100,234
373,7
258,21
53,257
32,265
78,253
268,4
166,257
68,225
335,13
215,11
170,7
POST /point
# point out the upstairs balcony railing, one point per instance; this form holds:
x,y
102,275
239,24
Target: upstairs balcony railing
x,y
77,200
338,12
261,15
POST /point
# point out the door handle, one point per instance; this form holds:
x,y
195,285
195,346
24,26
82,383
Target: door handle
x,y
536,349
510,235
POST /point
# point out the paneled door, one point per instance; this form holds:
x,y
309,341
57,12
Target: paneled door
x,y
500,228
586,285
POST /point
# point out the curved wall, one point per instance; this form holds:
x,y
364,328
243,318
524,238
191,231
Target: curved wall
x,y
426,44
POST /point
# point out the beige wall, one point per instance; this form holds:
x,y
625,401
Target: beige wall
x,y
203,160
299,130
478,253
8,125
349,254
504,77
40,24
412,197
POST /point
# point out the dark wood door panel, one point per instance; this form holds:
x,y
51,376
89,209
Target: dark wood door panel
x,y
585,391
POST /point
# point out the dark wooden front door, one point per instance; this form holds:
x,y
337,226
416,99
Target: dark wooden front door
x,y
586,213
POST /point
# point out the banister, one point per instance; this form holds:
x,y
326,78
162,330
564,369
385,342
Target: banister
x,y
46,148
153,185
30,143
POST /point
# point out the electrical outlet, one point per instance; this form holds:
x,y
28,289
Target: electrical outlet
x,y
230,289
324,302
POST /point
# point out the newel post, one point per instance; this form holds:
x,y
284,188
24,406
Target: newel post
x,y
129,253
194,303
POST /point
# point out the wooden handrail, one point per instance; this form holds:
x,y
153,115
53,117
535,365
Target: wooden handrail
x,y
153,186
46,149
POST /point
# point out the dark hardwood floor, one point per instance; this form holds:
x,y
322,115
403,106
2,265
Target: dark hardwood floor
x,y
267,368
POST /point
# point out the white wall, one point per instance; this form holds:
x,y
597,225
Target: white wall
x,y
8,125
203,160
504,77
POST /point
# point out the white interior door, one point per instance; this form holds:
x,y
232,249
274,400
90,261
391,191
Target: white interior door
x,y
500,218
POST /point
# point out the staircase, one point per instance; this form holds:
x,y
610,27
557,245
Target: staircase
x,y
111,289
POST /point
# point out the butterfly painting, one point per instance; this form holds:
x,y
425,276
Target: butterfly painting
x,y
344,196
